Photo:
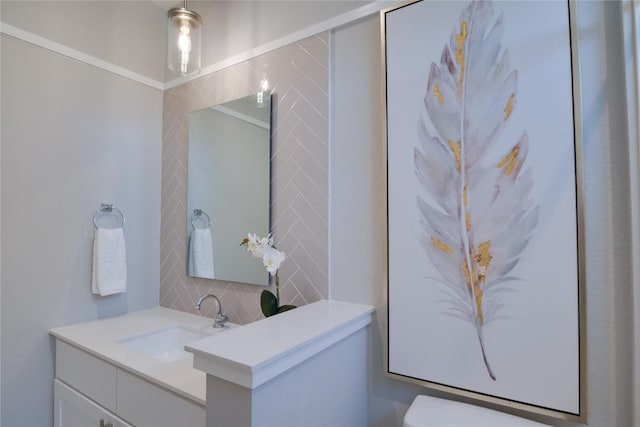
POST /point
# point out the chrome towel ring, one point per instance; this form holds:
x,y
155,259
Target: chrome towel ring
x,y
199,213
107,208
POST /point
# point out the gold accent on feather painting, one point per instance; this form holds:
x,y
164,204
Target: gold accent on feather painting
x,y
492,192
473,108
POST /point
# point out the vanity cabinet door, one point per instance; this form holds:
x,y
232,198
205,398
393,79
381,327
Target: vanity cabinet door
x,y
72,409
88,374
148,405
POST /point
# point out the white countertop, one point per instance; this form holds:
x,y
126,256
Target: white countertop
x,y
248,355
101,338
253,354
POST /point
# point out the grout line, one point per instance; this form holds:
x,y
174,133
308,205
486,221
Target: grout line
x,y
330,141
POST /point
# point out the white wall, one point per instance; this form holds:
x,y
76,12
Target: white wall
x,y
130,34
358,207
72,136
358,210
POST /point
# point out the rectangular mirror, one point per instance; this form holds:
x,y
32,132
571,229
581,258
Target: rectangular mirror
x,y
228,191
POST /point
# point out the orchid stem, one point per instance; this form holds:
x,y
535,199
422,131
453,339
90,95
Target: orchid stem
x,y
277,288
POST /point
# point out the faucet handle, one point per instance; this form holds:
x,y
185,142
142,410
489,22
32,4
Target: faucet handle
x,y
220,320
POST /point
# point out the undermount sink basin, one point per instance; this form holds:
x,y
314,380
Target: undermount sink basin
x,y
166,344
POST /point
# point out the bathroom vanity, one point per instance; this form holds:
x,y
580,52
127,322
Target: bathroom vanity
x,y
130,370
303,367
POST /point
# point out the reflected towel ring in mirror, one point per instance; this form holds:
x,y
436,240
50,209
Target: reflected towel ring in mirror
x,y
199,213
107,208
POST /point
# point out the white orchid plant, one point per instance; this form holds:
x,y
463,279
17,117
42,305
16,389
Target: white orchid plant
x,y
272,258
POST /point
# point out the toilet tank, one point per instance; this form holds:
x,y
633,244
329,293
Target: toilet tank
x,y
427,411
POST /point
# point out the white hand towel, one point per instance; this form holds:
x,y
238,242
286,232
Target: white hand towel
x,y
109,262
201,253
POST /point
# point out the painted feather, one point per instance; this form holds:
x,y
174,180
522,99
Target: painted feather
x,y
479,216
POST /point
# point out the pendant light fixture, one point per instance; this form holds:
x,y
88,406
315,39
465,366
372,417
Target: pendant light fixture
x,y
184,46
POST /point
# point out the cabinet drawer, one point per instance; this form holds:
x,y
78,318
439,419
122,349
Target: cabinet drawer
x,y
71,409
88,374
147,405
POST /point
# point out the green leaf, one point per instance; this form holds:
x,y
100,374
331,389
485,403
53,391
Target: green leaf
x,y
268,303
285,307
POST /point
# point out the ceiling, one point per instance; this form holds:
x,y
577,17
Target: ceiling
x,y
132,34
166,5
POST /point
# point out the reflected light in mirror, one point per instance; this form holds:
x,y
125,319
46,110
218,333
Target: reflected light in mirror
x,y
264,87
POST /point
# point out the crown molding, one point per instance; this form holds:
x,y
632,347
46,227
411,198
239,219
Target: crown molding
x,y
326,25
68,52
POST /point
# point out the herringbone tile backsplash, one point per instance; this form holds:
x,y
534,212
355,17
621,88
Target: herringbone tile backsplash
x,y
299,77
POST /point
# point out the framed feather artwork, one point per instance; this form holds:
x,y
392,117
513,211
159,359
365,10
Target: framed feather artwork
x,y
484,197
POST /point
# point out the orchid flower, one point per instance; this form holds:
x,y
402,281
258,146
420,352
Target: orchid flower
x,y
254,246
272,258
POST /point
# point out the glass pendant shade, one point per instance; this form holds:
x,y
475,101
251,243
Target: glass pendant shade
x,y
184,46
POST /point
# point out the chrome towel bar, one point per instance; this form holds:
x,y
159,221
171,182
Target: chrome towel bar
x,y
107,208
199,213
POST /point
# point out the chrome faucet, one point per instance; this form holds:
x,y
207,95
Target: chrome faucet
x,y
220,319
